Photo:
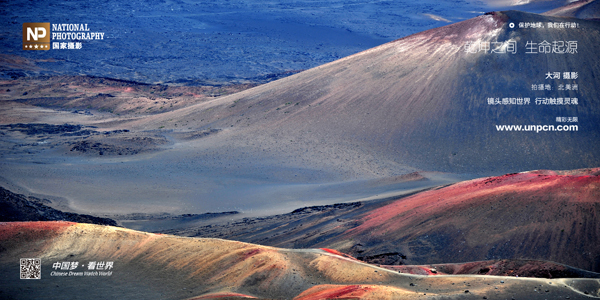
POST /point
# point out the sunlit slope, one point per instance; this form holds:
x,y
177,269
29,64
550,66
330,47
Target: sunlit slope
x,y
583,9
538,215
422,101
541,215
153,266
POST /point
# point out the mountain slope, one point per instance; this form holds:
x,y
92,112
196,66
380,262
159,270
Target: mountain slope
x,y
528,215
539,215
323,136
422,101
582,9
151,266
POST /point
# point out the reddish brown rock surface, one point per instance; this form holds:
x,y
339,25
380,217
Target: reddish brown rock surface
x,y
150,266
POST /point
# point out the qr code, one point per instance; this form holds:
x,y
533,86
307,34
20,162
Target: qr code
x,y
31,268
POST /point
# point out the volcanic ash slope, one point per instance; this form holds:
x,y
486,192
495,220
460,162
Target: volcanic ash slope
x,y
422,101
539,215
151,266
544,215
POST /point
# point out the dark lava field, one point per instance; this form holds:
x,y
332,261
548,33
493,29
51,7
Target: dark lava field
x,y
216,42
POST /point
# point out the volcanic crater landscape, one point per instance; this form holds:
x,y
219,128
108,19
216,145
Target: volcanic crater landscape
x,y
377,173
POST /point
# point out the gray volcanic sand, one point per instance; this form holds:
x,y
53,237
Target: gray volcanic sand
x,y
325,135
421,102
178,183
180,175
